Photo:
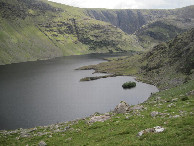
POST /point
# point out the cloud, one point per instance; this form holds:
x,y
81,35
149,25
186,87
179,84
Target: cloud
x,y
127,4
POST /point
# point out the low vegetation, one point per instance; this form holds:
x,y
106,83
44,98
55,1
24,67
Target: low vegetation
x,y
129,85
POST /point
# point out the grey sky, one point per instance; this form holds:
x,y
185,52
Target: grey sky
x,y
127,4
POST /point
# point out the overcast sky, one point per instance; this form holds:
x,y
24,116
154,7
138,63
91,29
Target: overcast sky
x,y
127,4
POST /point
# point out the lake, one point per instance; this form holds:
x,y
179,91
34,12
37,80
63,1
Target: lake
x,y
46,92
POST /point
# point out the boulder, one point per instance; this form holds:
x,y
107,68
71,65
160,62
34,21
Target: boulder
x,y
171,105
100,118
154,113
137,107
42,143
122,107
175,116
175,100
156,129
190,93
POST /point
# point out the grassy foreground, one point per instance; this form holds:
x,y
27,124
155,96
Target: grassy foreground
x,y
175,114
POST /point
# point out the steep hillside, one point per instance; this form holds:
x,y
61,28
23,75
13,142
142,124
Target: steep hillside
x,y
157,32
172,63
38,29
151,26
166,65
128,20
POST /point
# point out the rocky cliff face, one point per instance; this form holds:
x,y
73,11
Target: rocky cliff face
x,y
151,26
127,20
131,20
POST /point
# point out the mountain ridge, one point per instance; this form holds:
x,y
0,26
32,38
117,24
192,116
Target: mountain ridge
x,y
62,29
40,29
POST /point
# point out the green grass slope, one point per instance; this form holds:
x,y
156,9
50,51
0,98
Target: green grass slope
x,y
38,29
172,63
157,32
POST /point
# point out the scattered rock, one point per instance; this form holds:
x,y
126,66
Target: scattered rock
x,y
24,134
127,117
69,139
100,118
158,99
154,113
156,129
141,133
56,126
78,130
17,138
122,107
164,114
170,105
175,100
41,133
42,143
190,93
57,130
107,114
176,116
137,107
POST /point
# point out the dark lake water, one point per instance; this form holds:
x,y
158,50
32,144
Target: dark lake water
x,y
46,92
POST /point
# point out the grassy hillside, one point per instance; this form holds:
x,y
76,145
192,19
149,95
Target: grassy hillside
x,y
172,63
157,32
34,29
166,65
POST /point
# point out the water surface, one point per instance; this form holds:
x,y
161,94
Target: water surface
x,y
46,92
